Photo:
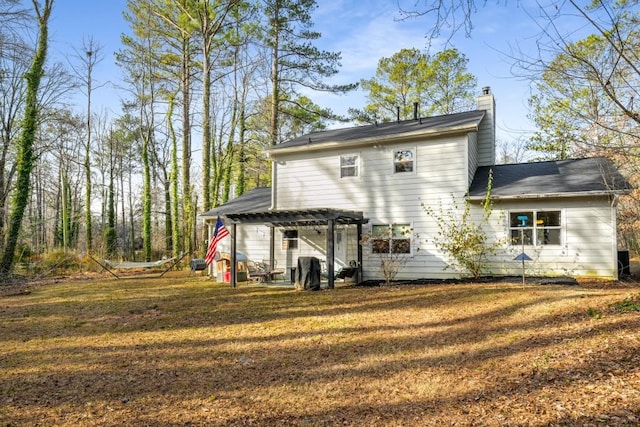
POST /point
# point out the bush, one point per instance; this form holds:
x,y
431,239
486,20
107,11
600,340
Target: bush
x,y
464,241
60,262
630,303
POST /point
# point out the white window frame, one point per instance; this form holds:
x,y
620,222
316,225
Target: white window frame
x,y
414,152
535,228
356,166
290,243
390,227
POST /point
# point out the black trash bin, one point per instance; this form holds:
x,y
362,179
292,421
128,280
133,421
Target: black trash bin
x,y
308,274
624,266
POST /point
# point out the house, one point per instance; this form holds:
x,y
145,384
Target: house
x,y
330,188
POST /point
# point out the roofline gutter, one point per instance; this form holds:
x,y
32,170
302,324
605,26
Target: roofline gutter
x,y
552,195
275,151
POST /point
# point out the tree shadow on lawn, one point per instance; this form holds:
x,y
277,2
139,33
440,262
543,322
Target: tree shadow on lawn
x,y
237,355
195,370
122,307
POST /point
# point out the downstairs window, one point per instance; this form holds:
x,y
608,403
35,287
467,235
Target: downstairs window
x,y
391,238
537,228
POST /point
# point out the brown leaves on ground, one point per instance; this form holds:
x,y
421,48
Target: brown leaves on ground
x,y
185,351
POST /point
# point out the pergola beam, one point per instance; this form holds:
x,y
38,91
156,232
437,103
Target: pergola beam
x,y
300,218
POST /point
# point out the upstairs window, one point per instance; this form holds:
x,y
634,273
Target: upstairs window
x,y
404,160
538,228
289,239
391,238
349,166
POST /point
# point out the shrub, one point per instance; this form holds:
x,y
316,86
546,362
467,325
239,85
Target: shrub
x,y
630,303
60,262
465,242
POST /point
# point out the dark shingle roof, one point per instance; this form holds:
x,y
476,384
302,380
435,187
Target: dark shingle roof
x,y
561,177
384,130
254,206
256,200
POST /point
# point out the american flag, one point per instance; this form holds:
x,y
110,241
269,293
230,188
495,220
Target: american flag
x,y
218,234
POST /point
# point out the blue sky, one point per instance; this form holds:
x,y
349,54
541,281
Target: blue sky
x,y
363,31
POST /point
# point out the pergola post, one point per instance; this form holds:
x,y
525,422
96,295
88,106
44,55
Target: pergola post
x,y
234,263
331,255
272,250
359,246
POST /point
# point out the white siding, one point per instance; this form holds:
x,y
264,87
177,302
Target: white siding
x,y
252,240
314,180
384,197
588,246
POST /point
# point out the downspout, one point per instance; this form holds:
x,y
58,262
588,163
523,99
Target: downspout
x,y
274,184
274,205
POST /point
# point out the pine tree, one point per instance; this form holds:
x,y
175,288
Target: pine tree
x,y
295,62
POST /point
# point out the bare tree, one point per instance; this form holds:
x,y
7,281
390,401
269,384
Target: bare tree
x,y
88,56
514,151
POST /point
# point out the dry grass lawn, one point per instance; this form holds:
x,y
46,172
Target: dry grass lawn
x,y
184,351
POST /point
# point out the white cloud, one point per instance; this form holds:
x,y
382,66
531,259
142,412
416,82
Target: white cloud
x,y
365,32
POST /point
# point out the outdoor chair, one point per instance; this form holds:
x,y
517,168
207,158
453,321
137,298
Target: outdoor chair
x,y
257,271
276,272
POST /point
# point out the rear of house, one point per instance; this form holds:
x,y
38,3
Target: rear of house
x,y
388,173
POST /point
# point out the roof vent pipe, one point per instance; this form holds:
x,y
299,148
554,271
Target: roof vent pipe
x,y
415,111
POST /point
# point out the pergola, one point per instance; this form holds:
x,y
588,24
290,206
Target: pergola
x,y
329,218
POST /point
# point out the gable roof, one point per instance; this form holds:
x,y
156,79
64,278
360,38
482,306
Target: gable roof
x,y
559,178
369,134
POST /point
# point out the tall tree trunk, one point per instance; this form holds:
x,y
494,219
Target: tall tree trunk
x,y
187,197
275,77
132,232
146,196
87,165
40,230
110,229
89,55
27,138
242,177
122,232
64,185
206,113
173,177
227,163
